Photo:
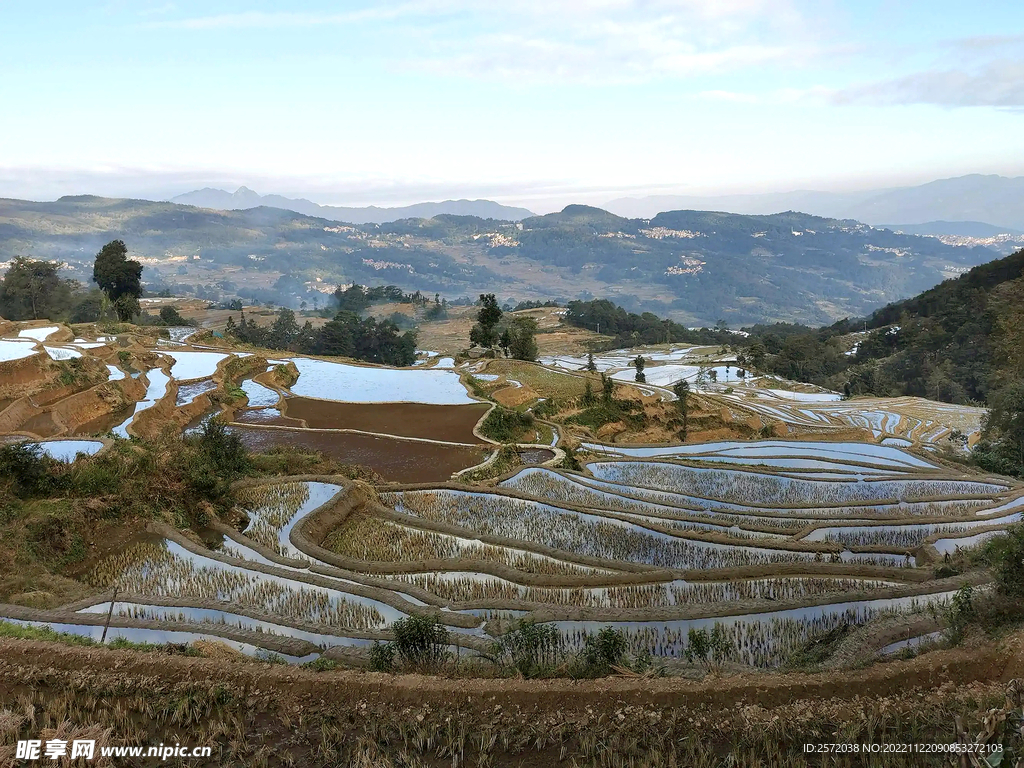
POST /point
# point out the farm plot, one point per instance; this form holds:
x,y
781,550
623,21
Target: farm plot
x,y
275,508
579,533
158,381
189,366
364,384
375,540
735,485
166,569
908,419
643,542
759,639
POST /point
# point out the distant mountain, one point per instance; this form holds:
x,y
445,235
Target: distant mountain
x,y
696,266
996,200
244,198
957,228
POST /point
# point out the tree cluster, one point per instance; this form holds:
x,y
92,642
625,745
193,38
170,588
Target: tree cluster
x,y
345,336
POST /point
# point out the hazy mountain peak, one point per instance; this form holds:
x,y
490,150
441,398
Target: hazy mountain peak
x,y
984,198
244,198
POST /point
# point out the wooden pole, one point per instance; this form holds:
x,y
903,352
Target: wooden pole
x,y
110,612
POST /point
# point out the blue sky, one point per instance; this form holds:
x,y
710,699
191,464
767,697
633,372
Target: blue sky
x,y
536,102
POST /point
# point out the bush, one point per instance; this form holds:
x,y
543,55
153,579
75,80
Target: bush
x,y
532,649
421,642
224,450
960,612
382,657
25,467
710,649
1010,562
546,409
506,426
171,316
603,651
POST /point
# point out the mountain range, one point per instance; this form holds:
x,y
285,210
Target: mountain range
x,y
994,200
244,198
696,266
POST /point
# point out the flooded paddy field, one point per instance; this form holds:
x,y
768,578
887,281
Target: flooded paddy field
x,y
450,423
402,461
568,549
776,540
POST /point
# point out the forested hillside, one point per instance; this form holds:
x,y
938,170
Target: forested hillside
x,y
957,342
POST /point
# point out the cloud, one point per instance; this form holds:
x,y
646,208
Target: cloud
x,y
276,19
578,40
997,84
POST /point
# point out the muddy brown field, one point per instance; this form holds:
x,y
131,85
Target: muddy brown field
x,y
450,423
401,461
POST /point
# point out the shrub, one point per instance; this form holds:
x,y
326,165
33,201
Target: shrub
x,y
603,651
25,467
545,409
224,450
532,649
421,642
709,649
506,426
960,612
382,657
1010,562
322,664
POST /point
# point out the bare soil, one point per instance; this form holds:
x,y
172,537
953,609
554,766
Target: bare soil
x,y
451,423
401,461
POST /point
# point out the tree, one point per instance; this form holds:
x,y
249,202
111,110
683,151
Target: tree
x,y
33,290
119,278
483,333
1004,429
607,388
591,365
171,316
522,344
284,329
1010,562
639,365
87,308
682,390
588,394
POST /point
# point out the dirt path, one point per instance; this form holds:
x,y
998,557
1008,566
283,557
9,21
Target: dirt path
x,y
994,663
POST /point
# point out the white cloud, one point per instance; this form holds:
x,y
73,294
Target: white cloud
x,y
997,84
584,40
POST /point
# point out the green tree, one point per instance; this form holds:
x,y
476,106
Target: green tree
x,y
591,365
603,651
639,365
421,641
1003,433
171,316
682,392
607,388
522,342
533,649
120,278
284,329
87,308
1010,562
588,394
33,290
484,333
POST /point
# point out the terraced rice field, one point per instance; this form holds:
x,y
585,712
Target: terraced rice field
x,y
774,539
653,543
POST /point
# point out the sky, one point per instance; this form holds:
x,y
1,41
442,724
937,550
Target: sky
x,y
535,102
